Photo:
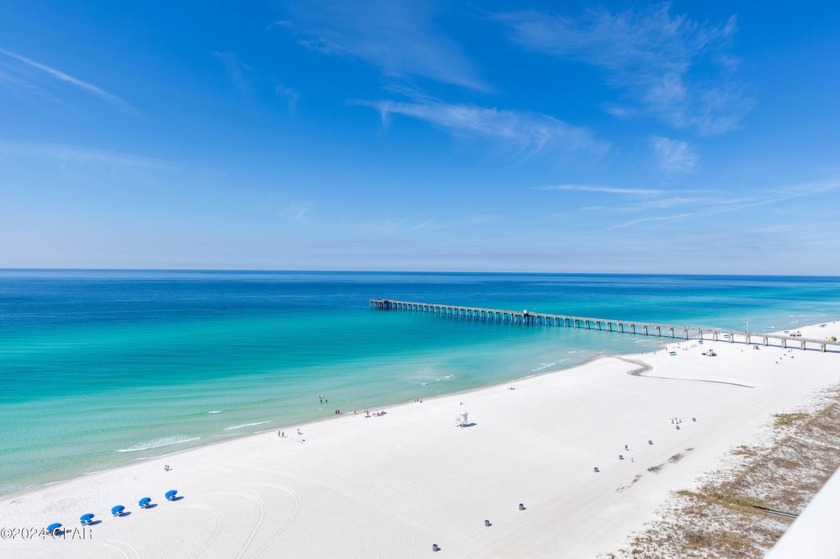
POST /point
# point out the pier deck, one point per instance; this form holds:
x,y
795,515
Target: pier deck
x,y
529,318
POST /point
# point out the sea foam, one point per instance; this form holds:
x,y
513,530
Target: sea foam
x,y
245,425
157,443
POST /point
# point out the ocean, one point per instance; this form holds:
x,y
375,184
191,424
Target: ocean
x,y
103,368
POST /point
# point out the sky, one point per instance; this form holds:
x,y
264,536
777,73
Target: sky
x,y
694,137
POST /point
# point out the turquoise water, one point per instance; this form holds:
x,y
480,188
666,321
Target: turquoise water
x,y
103,368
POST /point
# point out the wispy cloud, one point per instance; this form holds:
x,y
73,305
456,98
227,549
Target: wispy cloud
x,y
672,217
64,153
654,207
398,225
408,226
291,96
14,81
697,199
530,133
669,66
604,189
423,224
300,211
248,81
674,156
67,78
717,202
399,38
235,71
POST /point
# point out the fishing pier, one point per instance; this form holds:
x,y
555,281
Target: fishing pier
x,y
529,318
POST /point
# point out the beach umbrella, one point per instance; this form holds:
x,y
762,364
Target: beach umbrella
x,y
145,502
170,495
117,510
86,518
53,527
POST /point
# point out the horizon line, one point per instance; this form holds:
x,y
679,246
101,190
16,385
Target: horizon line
x,y
357,271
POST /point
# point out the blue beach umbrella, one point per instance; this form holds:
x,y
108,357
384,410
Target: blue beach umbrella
x,y
145,502
171,494
87,518
53,527
117,510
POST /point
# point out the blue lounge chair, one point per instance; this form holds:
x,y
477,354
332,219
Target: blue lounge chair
x,y
170,495
117,510
145,502
86,518
54,527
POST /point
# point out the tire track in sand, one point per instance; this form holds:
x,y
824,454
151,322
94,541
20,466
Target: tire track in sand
x,y
645,367
261,516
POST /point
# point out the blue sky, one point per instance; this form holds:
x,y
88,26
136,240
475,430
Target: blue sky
x,y
690,137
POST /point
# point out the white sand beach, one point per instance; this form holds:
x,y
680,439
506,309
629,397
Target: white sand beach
x,y
394,485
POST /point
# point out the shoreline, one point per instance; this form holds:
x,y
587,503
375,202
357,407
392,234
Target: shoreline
x,y
414,475
25,482
280,426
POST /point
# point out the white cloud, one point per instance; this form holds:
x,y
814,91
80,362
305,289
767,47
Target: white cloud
x,y
399,38
531,133
674,156
671,67
66,78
